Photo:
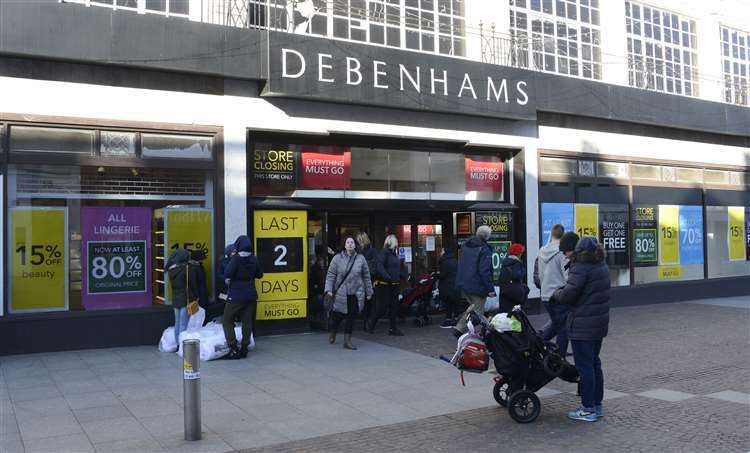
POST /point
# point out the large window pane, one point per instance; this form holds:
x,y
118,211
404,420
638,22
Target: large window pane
x,y
724,228
369,169
179,146
24,139
409,171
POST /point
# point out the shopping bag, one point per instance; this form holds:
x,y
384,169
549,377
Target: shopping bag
x,y
196,320
493,303
168,342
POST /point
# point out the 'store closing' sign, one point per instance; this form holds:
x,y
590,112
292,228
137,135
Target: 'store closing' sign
x,y
281,247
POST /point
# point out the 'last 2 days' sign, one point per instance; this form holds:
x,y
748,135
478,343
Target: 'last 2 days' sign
x,y
281,247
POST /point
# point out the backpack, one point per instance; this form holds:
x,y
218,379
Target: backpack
x,y
473,356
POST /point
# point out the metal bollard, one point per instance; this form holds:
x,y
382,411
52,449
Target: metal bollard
x,y
191,388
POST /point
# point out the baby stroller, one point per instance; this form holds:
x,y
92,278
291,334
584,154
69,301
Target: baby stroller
x,y
418,300
525,363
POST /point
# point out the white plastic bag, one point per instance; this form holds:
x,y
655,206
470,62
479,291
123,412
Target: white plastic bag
x,y
213,343
493,303
196,320
167,342
501,322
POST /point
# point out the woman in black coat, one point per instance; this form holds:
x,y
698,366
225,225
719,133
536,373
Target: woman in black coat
x,y
240,275
587,292
449,294
387,283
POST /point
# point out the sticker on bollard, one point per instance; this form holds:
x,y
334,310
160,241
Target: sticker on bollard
x,y
188,373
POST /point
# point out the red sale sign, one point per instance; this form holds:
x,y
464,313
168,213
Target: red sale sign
x,y
326,167
483,174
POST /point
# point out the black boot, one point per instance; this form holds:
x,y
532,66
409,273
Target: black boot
x,y
243,351
332,337
234,352
348,342
395,332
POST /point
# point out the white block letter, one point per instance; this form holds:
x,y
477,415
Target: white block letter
x,y
284,70
503,89
322,66
404,72
525,96
351,69
375,66
466,85
443,81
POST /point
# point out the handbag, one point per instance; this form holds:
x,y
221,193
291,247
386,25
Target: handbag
x,y
192,305
328,300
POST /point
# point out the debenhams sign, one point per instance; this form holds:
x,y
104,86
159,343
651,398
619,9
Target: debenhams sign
x,y
354,73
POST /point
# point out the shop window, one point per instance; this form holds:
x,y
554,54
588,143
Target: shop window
x,y
612,169
728,232
647,172
93,238
690,175
554,166
176,146
359,172
667,242
409,171
26,139
716,177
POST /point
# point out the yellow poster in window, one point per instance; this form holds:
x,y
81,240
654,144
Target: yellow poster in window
x,y
191,229
669,234
736,233
281,247
39,259
587,220
670,272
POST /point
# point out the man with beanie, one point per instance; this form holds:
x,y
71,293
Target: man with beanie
x,y
587,293
553,273
474,277
513,289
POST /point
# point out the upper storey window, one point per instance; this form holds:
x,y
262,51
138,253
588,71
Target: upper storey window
x,y
735,55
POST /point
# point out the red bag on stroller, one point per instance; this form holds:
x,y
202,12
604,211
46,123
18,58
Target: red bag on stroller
x,y
473,356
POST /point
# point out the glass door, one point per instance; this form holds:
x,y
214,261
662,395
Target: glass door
x,y
429,249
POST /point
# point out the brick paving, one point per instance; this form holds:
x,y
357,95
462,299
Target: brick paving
x,y
677,356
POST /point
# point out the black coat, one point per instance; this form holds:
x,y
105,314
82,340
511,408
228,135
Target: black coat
x,y
512,282
587,292
389,267
448,271
241,272
177,270
198,284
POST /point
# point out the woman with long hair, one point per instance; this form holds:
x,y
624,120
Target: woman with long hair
x,y
387,285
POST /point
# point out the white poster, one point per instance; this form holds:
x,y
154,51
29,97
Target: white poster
x,y
430,243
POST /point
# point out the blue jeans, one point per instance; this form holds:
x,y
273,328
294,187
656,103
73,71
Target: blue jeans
x,y
558,314
180,322
586,355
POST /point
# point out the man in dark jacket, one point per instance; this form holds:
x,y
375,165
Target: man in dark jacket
x,y
587,292
449,294
240,275
474,277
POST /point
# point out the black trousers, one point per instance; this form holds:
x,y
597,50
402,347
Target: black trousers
x,y
246,314
352,309
451,306
386,300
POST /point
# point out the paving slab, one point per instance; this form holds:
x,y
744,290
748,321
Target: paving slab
x,y
731,396
666,395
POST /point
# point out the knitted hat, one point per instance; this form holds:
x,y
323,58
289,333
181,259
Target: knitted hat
x,y
587,244
516,249
568,242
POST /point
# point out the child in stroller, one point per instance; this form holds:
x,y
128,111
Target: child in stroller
x,y
417,300
524,362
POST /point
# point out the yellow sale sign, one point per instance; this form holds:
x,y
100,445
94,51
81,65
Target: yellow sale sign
x,y
669,234
281,247
190,229
670,272
39,259
736,233
587,220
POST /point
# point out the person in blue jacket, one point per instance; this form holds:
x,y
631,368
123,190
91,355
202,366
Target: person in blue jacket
x,y
474,277
240,275
587,293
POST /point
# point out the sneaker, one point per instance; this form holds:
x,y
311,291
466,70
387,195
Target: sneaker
x,y
599,411
395,333
583,414
447,324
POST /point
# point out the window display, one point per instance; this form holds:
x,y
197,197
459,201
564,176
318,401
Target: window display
x,y
728,231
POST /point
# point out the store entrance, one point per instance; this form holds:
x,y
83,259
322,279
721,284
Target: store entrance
x,y
422,236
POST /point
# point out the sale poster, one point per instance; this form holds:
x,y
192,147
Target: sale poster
x,y
483,174
613,225
281,247
645,235
500,222
669,240
115,257
275,167
691,235
587,220
190,229
736,234
553,214
39,259
499,253
326,167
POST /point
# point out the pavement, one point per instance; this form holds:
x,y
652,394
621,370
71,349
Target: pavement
x,y
677,379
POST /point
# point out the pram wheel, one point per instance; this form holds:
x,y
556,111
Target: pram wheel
x,y
553,365
524,406
500,392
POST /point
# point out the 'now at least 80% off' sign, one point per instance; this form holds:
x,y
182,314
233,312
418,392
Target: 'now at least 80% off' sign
x,y
116,266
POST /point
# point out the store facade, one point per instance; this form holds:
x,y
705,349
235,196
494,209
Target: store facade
x,y
104,171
